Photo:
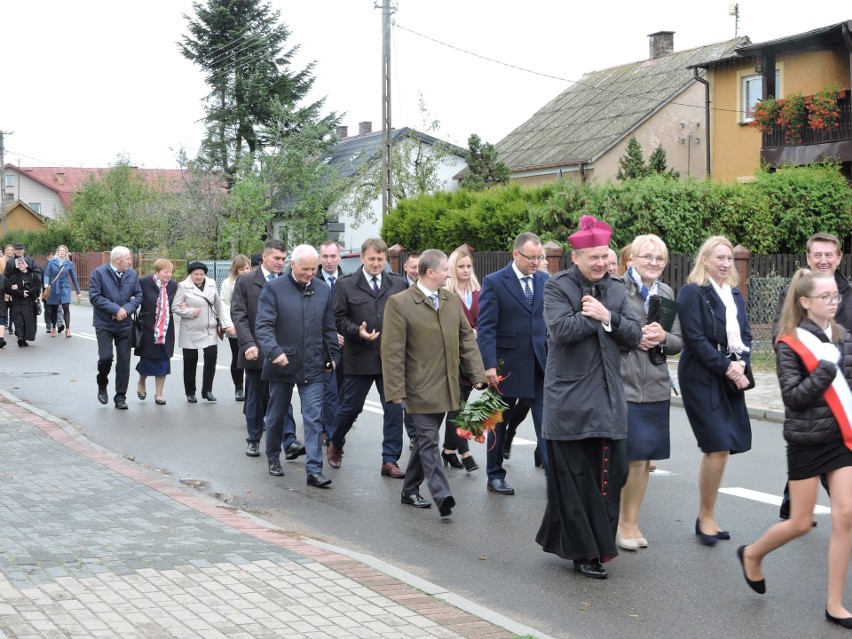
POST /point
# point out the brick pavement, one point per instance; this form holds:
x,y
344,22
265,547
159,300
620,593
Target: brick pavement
x,y
94,545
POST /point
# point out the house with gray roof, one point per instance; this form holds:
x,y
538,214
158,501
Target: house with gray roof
x,y
583,132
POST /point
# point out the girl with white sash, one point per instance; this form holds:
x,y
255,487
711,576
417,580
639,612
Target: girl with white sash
x,y
814,372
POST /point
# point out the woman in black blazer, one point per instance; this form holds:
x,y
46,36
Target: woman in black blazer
x,y
715,331
157,345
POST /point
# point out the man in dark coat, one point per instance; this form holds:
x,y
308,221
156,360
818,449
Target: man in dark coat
x,y
115,295
20,252
359,301
824,254
298,342
589,321
510,329
247,290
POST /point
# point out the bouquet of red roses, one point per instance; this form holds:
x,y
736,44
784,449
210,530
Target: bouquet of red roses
x,y
476,418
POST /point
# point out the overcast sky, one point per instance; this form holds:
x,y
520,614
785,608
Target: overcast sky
x,y
88,80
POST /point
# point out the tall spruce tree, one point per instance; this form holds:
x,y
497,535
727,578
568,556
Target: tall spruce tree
x,y
631,165
486,169
240,45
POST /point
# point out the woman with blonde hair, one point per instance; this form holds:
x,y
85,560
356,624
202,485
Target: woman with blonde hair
x,y
647,386
625,259
157,345
712,372
814,372
240,265
462,282
60,276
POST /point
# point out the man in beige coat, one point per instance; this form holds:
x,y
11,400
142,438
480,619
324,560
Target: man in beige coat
x,y
427,340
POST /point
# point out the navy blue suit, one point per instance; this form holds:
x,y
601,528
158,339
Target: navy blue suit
x,y
511,331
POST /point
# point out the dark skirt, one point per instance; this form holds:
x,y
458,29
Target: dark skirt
x,y
24,319
648,431
806,461
584,484
154,367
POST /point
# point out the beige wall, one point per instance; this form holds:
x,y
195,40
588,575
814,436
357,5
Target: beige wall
x,y
20,219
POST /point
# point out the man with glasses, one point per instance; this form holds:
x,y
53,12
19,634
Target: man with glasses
x,y
511,337
824,254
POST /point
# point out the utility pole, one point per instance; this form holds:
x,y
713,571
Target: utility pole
x,y
387,197
3,179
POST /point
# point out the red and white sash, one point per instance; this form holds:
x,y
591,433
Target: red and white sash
x,y
838,396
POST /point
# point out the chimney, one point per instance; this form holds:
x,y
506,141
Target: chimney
x,y
662,43
342,132
364,128
60,177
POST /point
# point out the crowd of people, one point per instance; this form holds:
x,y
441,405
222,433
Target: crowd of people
x,y
584,350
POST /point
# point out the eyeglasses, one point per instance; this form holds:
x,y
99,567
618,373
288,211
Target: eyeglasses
x,y
537,258
826,298
653,259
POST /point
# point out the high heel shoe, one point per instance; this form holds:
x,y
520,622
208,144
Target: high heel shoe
x,y
707,540
469,463
844,622
451,460
759,585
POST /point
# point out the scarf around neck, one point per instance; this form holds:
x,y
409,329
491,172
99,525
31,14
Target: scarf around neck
x,y
162,315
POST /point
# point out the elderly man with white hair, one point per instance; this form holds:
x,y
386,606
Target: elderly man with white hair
x,y
115,294
298,344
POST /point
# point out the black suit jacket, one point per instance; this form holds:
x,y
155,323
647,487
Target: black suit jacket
x,y
247,290
148,314
355,303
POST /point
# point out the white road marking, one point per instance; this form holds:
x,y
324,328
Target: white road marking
x,y
766,498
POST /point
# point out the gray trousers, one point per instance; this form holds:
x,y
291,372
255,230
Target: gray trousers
x,y
425,461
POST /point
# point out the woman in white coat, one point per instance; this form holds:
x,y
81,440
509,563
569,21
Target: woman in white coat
x,y
197,304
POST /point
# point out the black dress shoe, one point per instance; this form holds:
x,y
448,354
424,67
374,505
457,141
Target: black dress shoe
x,y
253,449
845,622
704,538
500,487
240,395
318,480
192,399
121,404
141,395
592,568
294,450
414,499
759,585
208,396
103,398
275,469
445,506
160,402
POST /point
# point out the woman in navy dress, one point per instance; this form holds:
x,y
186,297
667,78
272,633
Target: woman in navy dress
x,y
715,331
157,345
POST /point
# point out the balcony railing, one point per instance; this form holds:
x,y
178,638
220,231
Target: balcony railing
x,y
777,138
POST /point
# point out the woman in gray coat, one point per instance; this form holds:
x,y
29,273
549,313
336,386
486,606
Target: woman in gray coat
x,y
197,304
647,385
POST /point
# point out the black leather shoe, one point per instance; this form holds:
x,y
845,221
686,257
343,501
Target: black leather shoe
x,y
253,449
414,499
318,480
445,506
275,469
759,585
208,396
103,398
294,450
192,399
844,622
240,395
500,487
121,404
704,538
592,568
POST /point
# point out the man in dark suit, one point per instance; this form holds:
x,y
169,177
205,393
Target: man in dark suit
x,y
510,329
247,290
428,341
298,344
329,272
115,294
359,308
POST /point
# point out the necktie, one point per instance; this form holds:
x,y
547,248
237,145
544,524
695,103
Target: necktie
x,y
528,291
331,279
271,276
434,298
375,285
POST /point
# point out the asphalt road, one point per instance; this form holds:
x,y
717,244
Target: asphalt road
x,y
674,588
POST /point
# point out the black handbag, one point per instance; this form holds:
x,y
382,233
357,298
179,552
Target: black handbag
x,y
136,332
730,387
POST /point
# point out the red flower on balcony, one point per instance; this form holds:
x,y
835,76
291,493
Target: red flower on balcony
x,y
823,110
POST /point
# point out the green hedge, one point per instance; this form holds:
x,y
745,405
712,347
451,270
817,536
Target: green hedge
x,y
774,214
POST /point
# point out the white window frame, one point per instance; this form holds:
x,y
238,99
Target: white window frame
x,y
35,206
745,106
10,180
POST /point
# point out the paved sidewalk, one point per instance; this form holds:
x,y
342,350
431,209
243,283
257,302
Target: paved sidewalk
x,y
94,545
